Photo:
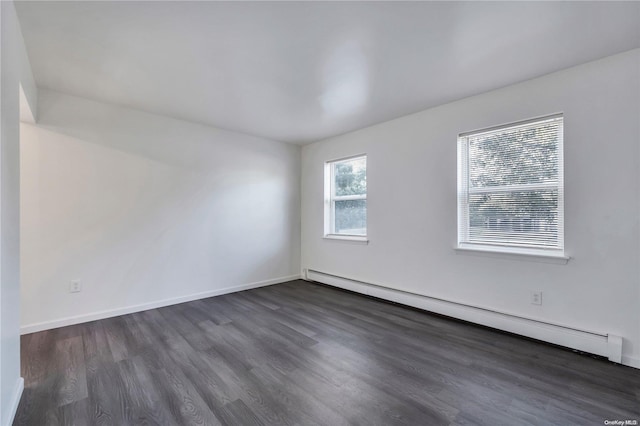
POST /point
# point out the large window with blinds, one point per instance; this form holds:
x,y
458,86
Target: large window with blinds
x,y
510,188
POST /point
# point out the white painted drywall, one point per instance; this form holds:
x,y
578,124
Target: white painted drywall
x,y
412,216
28,91
15,72
305,70
143,209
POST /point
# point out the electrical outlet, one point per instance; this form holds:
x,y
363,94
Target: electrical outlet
x,y
536,298
75,286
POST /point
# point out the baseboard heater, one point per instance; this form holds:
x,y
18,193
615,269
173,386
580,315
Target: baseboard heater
x,y
606,345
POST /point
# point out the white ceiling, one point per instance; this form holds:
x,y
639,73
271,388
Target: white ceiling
x,y
303,71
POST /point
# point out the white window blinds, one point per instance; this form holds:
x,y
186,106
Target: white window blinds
x,y
510,186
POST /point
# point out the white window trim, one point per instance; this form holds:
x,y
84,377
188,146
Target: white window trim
x,y
517,253
551,255
352,238
329,203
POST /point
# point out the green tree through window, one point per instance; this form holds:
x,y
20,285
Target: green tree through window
x,y
511,185
348,197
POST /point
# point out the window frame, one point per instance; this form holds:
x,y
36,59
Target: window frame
x,y
330,199
465,190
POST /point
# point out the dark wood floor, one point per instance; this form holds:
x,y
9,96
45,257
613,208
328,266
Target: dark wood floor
x,y
305,354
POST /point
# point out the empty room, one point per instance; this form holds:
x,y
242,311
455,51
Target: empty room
x,y
319,213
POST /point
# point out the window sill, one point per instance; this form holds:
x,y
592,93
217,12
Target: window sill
x,y
515,254
360,239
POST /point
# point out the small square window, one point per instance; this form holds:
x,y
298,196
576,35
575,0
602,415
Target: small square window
x,y
510,188
346,197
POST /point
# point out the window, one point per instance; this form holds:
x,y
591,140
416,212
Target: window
x,y
510,188
346,198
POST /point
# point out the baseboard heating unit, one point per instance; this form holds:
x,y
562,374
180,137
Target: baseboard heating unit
x,y
606,345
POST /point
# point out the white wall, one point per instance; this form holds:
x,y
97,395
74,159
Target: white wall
x,y
147,210
28,91
15,71
412,203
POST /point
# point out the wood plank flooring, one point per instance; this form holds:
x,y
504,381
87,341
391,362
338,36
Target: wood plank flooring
x,y
305,354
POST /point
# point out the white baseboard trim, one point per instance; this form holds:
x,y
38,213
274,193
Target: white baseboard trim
x,y
631,361
15,401
598,343
78,319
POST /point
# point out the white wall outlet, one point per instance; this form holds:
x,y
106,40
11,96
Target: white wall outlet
x,y
536,298
75,286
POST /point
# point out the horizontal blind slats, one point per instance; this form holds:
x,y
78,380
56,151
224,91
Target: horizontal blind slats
x,y
510,185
